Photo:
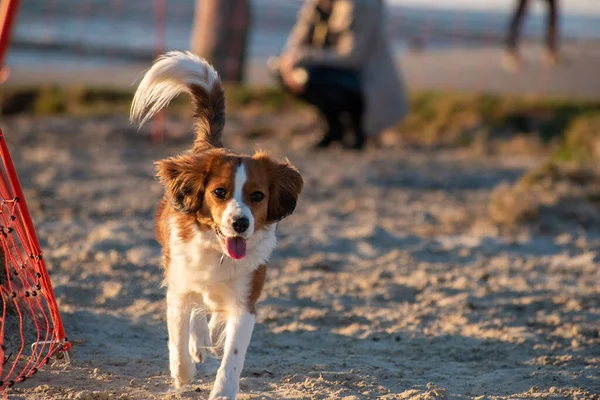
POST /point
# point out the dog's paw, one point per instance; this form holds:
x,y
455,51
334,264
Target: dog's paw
x,y
199,344
199,337
198,354
183,373
179,383
219,396
226,385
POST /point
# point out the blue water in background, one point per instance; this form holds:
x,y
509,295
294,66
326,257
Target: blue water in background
x,y
118,26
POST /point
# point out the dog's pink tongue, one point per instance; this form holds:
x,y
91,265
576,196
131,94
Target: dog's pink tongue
x,y
236,248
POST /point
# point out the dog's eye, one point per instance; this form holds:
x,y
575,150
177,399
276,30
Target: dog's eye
x,y
257,197
220,193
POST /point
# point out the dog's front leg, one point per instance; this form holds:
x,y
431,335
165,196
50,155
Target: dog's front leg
x,y
238,332
178,321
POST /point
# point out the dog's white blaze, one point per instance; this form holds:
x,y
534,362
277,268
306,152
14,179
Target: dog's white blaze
x,y
240,180
236,207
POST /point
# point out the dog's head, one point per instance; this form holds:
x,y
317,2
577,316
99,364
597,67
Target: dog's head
x,y
234,195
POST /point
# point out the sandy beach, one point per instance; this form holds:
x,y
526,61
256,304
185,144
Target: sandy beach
x,y
388,282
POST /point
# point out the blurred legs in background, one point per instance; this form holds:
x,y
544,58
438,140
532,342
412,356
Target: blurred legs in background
x,y
552,33
512,59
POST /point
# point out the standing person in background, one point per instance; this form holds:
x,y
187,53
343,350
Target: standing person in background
x,y
512,58
220,35
338,59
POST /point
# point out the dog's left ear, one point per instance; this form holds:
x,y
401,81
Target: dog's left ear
x,y
284,189
183,179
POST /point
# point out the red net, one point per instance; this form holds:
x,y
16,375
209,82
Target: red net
x,y
31,329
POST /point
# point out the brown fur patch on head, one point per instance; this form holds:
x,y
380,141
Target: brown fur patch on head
x,y
285,185
183,179
189,180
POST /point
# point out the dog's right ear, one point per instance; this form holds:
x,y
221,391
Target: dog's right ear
x,y
183,178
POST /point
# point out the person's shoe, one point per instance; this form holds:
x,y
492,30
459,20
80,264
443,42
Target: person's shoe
x,y
358,138
511,61
358,144
335,133
327,140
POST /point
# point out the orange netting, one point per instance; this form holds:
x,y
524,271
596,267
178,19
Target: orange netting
x,y
31,329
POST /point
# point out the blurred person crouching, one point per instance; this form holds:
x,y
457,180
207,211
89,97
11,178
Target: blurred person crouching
x,y
338,59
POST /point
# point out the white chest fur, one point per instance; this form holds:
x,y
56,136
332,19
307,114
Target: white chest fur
x,y
198,264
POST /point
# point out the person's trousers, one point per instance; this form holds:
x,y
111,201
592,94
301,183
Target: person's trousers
x,y
517,20
334,92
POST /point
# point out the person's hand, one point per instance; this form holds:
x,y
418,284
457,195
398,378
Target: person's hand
x,y
286,68
292,82
4,73
287,61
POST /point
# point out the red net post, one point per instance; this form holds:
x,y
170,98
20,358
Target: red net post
x,y
160,9
31,329
8,14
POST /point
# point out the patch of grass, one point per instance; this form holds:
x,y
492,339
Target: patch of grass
x,y
581,139
513,205
457,119
552,172
553,197
269,99
570,127
453,118
77,101
84,101
438,118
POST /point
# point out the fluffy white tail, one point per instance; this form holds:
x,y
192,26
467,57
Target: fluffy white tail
x,y
176,72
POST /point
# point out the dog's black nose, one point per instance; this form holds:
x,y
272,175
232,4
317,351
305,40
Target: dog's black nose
x,y
241,224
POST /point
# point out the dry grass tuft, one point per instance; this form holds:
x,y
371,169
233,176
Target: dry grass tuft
x,y
581,139
513,205
485,123
549,198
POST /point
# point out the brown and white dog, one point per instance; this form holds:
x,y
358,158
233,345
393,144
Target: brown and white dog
x,y
216,224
